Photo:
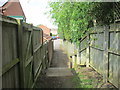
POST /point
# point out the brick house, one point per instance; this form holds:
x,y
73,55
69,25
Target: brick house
x,y
46,37
45,29
46,32
13,8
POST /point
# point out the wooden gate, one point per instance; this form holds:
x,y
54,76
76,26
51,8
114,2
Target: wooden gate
x,y
24,54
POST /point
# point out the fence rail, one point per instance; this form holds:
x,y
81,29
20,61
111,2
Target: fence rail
x,y
24,55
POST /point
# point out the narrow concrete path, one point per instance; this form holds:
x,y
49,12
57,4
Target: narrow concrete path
x,y
59,74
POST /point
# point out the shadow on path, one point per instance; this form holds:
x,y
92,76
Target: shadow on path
x,y
60,59
58,75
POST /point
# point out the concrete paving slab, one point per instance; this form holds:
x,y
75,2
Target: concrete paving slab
x,y
58,71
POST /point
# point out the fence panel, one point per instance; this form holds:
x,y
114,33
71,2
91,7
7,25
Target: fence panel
x,y
104,52
69,48
24,54
114,55
50,51
27,54
37,45
97,50
96,59
10,70
83,50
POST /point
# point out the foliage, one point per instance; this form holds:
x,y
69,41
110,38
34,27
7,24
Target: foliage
x,y
75,18
103,12
81,81
72,18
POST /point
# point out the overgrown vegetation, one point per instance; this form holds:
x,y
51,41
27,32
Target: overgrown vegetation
x,y
103,12
75,18
86,78
72,19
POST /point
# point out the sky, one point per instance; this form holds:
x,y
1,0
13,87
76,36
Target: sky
x,y
35,12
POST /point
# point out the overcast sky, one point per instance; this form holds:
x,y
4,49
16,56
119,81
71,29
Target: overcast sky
x,y
34,11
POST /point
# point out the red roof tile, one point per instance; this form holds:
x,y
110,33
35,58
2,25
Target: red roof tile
x,y
13,8
45,29
46,37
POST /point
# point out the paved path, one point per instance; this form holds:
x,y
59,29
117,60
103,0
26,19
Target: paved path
x,y
59,74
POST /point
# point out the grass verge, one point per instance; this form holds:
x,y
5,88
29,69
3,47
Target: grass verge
x,y
85,78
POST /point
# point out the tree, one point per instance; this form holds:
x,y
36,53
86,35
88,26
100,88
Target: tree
x,y
72,18
75,18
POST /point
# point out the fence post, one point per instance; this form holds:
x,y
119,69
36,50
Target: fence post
x,y
20,47
31,26
88,51
73,61
78,57
87,55
105,58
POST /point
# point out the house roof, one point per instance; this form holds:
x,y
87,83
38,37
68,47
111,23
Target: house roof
x,y
13,8
46,37
45,29
46,32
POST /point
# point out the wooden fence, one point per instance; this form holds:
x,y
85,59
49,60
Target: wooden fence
x,y
24,55
101,50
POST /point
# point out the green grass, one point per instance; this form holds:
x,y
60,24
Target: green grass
x,y
81,81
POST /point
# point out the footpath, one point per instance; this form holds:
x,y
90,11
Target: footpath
x,y
58,75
